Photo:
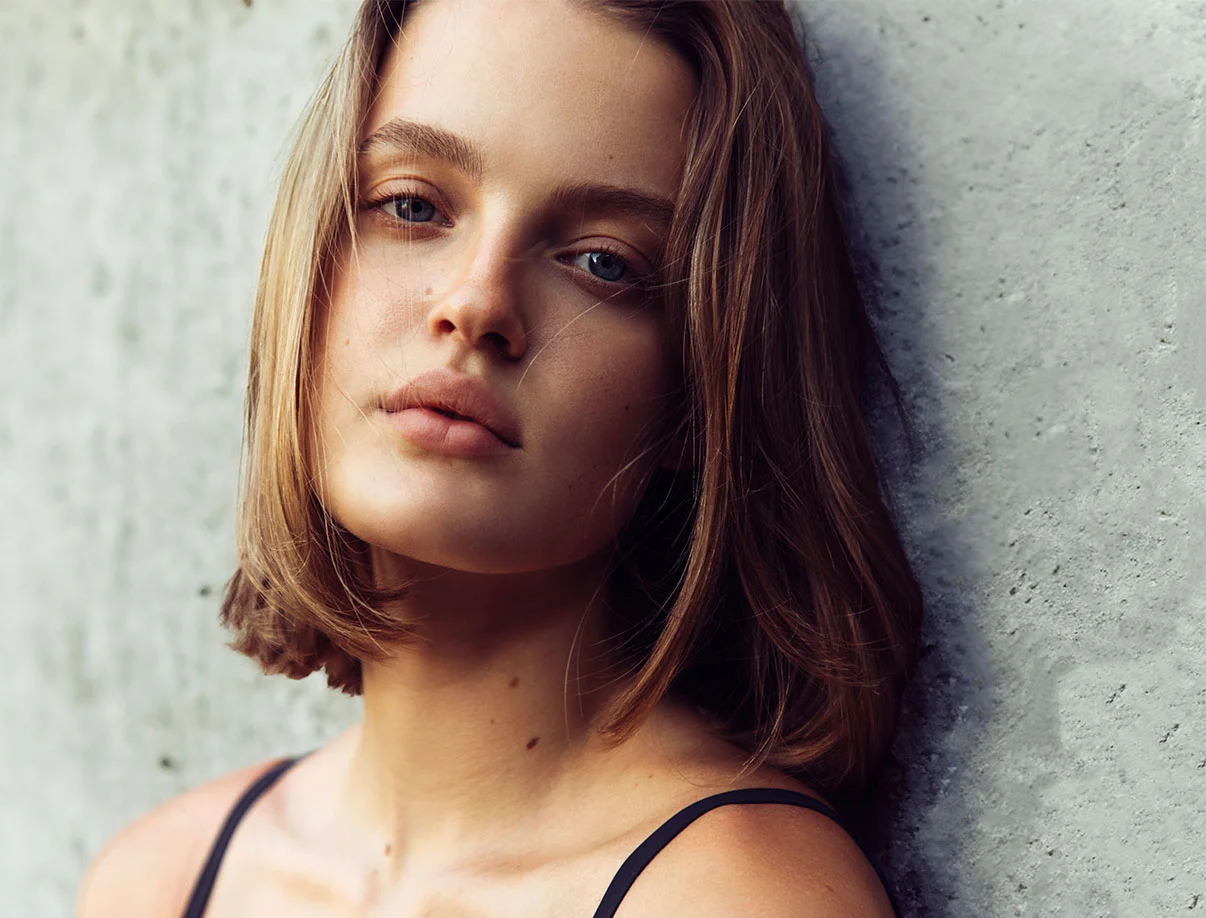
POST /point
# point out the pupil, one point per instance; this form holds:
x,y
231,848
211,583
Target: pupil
x,y
416,210
607,266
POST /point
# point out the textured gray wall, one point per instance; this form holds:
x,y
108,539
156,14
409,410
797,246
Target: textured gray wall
x,y
1027,176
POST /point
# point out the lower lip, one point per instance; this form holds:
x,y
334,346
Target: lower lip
x,y
439,434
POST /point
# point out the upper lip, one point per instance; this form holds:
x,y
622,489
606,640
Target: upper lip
x,y
444,390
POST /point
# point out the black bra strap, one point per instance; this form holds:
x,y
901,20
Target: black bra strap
x,y
621,882
205,881
648,849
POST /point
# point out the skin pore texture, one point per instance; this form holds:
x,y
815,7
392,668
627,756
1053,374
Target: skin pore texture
x,y
475,784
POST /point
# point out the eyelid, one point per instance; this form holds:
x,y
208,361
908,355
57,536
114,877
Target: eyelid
x,y
600,243
642,278
387,191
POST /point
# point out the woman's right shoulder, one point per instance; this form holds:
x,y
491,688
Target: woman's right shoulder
x,y
149,867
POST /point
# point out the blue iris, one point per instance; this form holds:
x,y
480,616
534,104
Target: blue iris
x,y
412,209
607,266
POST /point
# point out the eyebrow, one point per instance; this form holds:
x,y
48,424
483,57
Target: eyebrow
x,y
587,198
594,199
426,140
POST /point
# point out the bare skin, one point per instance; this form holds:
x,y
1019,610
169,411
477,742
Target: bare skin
x,y
477,784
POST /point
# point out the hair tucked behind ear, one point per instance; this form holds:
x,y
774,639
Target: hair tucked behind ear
x,y
766,583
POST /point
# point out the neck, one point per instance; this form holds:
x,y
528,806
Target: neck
x,y
484,722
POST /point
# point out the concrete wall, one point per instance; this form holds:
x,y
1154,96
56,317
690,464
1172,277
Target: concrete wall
x,y
1028,176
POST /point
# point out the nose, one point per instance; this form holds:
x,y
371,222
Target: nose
x,y
482,305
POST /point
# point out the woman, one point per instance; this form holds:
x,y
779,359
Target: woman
x,y
555,454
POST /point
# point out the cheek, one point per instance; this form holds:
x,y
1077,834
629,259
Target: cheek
x,y
374,301
608,413
366,315
375,306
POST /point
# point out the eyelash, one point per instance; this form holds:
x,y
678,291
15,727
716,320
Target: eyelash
x,y
375,207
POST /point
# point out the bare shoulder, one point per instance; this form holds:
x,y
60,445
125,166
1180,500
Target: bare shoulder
x,y
777,861
148,868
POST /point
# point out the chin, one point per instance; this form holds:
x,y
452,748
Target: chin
x,y
446,518
454,535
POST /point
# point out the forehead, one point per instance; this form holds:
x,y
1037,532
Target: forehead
x,y
544,88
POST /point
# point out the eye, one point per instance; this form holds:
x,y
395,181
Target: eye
x,y
606,265
409,208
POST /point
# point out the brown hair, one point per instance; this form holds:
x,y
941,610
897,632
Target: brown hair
x,y
766,583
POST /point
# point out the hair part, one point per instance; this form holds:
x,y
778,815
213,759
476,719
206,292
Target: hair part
x,y
767,582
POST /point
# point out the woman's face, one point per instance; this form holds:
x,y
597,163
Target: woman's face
x,y
516,173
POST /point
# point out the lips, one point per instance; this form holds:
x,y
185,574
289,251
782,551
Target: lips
x,y
456,396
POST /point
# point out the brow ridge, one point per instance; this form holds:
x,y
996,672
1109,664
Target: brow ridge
x,y
593,199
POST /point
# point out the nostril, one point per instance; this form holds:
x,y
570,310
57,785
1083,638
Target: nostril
x,y
500,342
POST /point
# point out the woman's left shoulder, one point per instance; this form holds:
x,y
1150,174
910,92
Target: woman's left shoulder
x,y
771,860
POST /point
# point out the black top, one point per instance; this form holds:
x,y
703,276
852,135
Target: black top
x,y
621,882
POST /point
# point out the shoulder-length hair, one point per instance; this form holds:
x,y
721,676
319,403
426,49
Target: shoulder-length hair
x,y
766,583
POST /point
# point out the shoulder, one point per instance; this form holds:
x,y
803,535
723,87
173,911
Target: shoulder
x,y
773,860
150,866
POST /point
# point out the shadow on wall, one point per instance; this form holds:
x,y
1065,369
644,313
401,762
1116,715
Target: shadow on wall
x,y
919,812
